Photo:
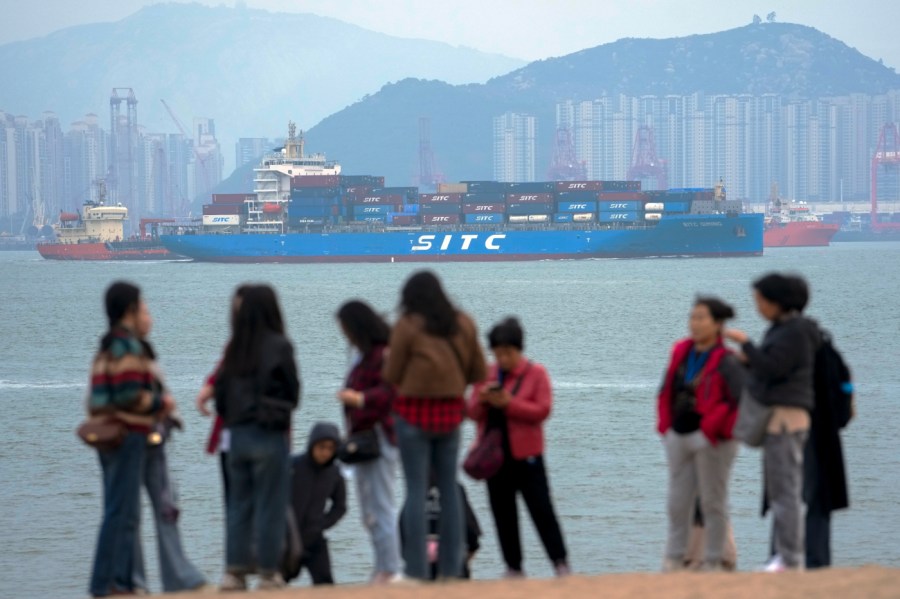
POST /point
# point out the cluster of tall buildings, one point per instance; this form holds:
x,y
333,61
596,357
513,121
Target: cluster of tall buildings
x,y
813,149
45,170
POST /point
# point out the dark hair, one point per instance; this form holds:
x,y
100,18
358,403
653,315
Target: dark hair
x,y
789,292
719,310
507,333
363,326
257,316
422,294
121,299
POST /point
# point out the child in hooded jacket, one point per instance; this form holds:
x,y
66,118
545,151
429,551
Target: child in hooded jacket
x,y
318,499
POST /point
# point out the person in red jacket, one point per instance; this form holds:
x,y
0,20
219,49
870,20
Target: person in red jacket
x,y
697,407
517,398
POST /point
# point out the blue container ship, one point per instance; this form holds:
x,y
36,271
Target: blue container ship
x,y
304,210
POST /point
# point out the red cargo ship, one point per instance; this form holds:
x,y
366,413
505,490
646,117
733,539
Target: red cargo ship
x,y
97,234
796,226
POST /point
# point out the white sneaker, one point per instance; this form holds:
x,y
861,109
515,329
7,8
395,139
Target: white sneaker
x,y
775,565
270,582
232,582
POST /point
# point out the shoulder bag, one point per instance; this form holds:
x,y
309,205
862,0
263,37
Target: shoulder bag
x,y
102,432
486,457
752,420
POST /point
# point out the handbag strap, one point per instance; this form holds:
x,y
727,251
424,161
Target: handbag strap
x,y
459,360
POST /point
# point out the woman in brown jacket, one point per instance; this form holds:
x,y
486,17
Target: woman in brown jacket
x,y
433,356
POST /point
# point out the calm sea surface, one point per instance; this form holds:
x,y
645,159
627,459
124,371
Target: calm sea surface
x,y
603,328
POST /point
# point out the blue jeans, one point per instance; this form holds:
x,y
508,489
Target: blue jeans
x,y
178,573
375,485
114,556
421,451
258,478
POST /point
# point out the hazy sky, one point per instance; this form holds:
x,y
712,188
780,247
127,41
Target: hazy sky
x,y
528,29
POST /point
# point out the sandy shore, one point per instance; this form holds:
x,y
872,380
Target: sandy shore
x,y
870,582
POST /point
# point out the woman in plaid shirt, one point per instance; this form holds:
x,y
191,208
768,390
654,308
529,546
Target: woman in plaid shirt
x,y
434,355
368,400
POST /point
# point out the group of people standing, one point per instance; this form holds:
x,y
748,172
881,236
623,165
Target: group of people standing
x,y
404,401
698,406
404,398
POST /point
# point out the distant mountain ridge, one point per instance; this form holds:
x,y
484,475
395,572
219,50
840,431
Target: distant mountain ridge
x,y
786,59
250,70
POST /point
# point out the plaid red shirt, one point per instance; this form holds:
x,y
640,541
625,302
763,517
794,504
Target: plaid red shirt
x,y
379,395
433,414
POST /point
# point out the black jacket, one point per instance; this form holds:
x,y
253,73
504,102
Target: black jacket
x,y
313,485
781,368
275,382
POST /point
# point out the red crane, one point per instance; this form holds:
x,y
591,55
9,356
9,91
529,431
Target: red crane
x,y
565,165
644,162
885,160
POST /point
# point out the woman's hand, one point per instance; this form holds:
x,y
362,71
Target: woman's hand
x,y
739,337
203,397
500,398
351,398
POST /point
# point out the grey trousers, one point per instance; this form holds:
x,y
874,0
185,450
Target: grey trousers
x,y
375,487
783,472
698,468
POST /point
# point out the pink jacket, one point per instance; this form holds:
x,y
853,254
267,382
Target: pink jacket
x,y
527,411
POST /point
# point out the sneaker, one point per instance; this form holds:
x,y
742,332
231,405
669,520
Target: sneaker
x,y
775,565
673,565
269,582
562,570
232,582
511,574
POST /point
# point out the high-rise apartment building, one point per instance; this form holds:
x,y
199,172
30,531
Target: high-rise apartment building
x,y
514,147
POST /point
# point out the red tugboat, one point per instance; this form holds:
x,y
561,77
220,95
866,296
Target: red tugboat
x,y
792,224
98,234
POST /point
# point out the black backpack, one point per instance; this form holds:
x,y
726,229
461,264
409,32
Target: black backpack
x,y
832,382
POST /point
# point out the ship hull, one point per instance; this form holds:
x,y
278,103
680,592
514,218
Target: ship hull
x,y
105,251
799,234
677,236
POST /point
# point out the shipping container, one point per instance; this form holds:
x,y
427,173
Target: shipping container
x,y
515,219
486,186
409,192
315,181
371,219
221,209
391,198
440,198
576,206
563,217
532,187
538,218
529,208
521,198
231,198
364,180
310,211
305,192
313,201
653,216
439,208
612,217
577,186
616,196
482,208
306,221
485,219
452,188
402,220
213,220
577,196
440,219
371,209
485,197
655,206
410,208
621,185
674,206
585,217
619,206
357,190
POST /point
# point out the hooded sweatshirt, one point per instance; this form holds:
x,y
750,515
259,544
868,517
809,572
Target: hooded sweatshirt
x,y
313,485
